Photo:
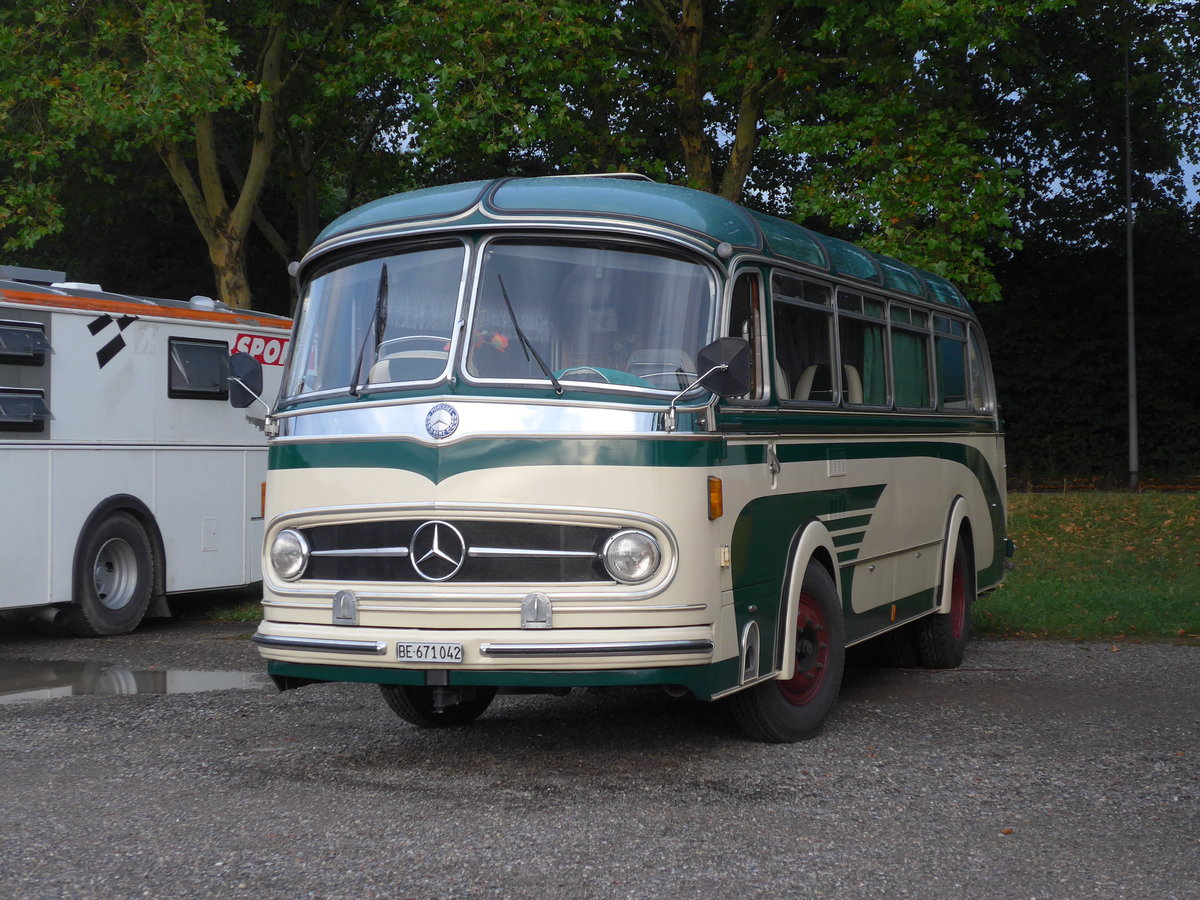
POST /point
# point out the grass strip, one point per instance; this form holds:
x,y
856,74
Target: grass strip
x,y
1099,566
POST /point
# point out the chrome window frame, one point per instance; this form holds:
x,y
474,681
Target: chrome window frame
x,y
375,250
830,309
717,281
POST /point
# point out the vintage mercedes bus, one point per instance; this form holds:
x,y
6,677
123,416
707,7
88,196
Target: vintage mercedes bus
x,y
567,432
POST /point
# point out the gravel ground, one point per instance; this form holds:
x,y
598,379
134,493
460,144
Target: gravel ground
x,y
1039,770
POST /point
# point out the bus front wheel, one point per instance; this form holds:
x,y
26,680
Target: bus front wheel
x,y
417,706
114,577
782,711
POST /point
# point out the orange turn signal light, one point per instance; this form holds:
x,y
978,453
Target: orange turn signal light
x,y
716,500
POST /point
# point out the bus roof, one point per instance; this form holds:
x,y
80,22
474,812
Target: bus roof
x,y
635,199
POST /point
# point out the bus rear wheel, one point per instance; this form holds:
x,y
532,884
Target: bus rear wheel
x,y
942,637
779,711
417,705
114,577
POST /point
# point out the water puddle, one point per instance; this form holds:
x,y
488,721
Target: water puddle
x,y
27,680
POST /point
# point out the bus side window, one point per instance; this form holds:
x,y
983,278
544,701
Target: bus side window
x,y
910,357
950,346
745,322
804,357
862,332
982,395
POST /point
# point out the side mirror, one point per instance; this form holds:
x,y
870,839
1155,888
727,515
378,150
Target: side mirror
x,y
726,366
245,380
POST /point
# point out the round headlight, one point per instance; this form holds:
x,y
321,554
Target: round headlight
x,y
631,556
289,554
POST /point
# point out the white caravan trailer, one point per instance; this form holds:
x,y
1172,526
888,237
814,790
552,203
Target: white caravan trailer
x,y
125,473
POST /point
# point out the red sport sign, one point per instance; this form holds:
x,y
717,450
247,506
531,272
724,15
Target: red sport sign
x,y
270,351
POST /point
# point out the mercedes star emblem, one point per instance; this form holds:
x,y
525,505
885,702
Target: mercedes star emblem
x,y
437,551
441,421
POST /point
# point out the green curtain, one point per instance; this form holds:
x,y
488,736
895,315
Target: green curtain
x,y
910,358
874,367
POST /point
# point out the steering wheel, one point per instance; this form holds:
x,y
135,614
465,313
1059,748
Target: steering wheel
x,y
392,345
590,369
682,378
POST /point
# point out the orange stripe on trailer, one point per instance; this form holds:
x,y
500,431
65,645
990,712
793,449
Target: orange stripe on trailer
x,y
146,308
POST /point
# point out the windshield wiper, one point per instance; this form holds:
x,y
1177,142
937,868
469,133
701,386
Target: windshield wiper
x,y
376,327
525,344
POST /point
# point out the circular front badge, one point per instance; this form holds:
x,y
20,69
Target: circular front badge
x,y
441,421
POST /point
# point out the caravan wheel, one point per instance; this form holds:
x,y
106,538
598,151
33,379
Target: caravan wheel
x,y
113,577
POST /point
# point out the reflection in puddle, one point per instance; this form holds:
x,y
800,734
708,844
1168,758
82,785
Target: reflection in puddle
x,y
24,680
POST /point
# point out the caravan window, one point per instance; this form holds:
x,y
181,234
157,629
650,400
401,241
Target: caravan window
x,y
23,343
23,409
198,370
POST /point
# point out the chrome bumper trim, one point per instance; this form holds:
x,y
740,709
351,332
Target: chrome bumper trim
x,y
325,645
635,648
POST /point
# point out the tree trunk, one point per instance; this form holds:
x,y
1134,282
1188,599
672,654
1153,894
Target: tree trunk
x,y
224,225
229,266
684,38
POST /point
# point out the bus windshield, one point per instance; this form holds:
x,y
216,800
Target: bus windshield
x,y
604,315
379,318
595,313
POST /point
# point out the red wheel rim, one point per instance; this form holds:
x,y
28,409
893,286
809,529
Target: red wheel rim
x,y
958,598
812,653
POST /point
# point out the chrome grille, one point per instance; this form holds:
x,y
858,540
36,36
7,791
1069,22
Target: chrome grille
x,y
426,550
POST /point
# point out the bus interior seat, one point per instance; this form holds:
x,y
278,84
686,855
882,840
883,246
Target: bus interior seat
x,y
407,365
663,368
814,384
782,387
852,388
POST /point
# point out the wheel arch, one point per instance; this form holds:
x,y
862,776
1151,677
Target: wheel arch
x,y
127,503
958,528
811,543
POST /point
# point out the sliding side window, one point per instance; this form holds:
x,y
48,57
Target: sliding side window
x,y
983,394
804,358
745,321
862,334
950,348
910,357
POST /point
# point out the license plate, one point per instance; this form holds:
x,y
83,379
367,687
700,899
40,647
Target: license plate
x,y
442,652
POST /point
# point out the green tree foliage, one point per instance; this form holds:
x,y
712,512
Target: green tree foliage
x,y
1059,352
1059,337
1059,118
86,81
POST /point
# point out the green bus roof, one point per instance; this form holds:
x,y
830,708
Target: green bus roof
x,y
705,216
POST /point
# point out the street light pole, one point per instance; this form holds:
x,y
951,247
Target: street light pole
x,y
1132,346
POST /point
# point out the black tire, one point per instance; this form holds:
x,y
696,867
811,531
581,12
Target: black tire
x,y
784,711
898,648
415,705
113,579
942,637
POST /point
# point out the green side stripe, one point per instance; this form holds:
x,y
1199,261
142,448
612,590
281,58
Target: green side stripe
x,y
442,462
845,540
836,524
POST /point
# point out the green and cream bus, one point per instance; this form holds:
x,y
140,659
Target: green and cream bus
x,y
550,433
